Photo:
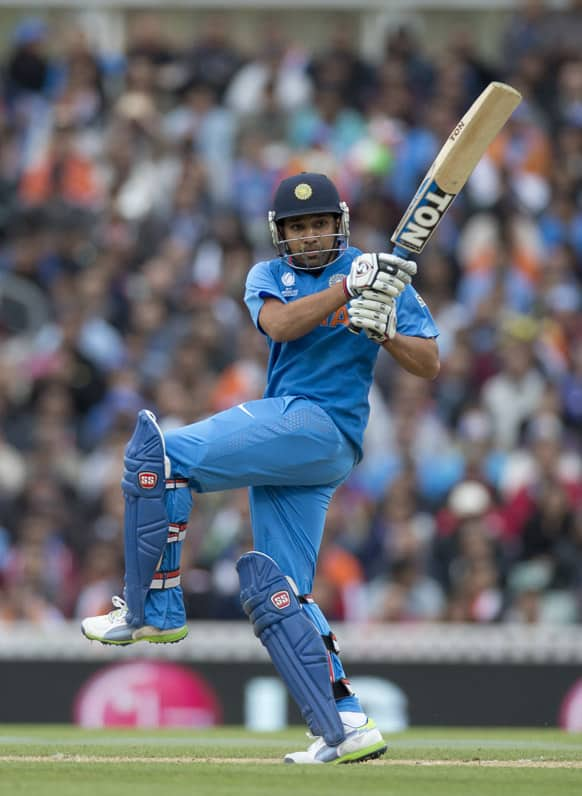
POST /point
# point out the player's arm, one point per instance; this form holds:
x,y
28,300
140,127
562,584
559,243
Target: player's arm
x,y
285,322
417,355
382,273
376,314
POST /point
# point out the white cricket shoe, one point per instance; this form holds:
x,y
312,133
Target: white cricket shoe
x,y
112,628
361,743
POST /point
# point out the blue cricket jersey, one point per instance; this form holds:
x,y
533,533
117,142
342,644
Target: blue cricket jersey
x,y
329,365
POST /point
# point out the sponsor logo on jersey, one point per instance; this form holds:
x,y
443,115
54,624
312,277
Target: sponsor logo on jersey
x,y
303,191
333,280
420,300
147,480
288,278
281,599
427,208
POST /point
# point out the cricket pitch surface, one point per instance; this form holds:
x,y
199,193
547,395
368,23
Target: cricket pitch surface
x,y
49,760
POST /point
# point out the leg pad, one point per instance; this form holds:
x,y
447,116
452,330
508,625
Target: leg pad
x,y
291,639
146,520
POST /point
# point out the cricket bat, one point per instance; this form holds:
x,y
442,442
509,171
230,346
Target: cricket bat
x,y
452,167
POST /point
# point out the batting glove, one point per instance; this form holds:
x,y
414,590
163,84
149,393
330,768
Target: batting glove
x,y
375,313
384,273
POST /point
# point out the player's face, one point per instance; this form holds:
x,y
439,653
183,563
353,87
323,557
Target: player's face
x,y
311,240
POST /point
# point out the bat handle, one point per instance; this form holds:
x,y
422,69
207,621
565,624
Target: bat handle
x,y
399,252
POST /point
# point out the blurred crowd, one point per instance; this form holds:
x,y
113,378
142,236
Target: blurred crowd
x,y
134,189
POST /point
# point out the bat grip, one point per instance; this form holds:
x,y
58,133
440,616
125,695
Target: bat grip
x,y
400,252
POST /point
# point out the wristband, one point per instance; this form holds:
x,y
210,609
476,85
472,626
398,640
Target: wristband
x,y
347,293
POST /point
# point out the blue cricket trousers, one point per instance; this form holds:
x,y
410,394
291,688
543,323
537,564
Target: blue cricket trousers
x,y
291,455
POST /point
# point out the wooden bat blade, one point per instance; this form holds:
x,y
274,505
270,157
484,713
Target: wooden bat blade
x,y
453,165
471,138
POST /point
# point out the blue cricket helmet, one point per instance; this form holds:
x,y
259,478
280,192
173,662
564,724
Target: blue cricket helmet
x,y
305,194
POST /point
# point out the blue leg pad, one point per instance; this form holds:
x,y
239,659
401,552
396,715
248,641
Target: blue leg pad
x,y
291,639
146,520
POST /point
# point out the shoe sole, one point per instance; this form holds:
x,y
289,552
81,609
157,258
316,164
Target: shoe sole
x,y
370,753
361,756
171,638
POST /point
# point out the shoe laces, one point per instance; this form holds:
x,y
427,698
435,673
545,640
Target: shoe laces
x,y
318,742
119,610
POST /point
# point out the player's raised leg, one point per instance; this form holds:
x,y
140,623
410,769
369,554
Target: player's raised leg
x,y
235,448
156,512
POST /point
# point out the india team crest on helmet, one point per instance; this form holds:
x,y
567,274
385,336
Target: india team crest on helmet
x,y
303,191
147,479
281,599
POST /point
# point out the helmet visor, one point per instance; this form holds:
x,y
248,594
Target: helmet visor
x,y
314,251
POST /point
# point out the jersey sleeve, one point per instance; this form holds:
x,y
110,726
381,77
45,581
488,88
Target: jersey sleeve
x,y
261,284
413,316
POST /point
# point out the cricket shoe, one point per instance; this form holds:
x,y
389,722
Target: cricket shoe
x,y
112,628
361,743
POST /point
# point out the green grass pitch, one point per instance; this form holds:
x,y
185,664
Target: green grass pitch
x,y
65,761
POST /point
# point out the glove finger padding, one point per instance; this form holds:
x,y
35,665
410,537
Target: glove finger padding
x,y
375,295
375,315
404,269
382,272
369,318
373,300
370,309
389,285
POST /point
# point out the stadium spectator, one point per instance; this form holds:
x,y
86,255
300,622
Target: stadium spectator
x,y
133,194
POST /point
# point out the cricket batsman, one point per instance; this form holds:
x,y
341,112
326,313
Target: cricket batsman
x,y
324,308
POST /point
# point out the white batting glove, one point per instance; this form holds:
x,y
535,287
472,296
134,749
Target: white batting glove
x,y
375,313
381,272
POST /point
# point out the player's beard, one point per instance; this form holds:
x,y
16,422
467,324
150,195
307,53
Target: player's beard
x,y
315,259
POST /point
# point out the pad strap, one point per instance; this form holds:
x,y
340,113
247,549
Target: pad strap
x,y
165,579
176,483
177,531
331,644
341,688
169,579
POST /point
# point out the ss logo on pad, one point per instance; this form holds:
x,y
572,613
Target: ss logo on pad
x,y
147,480
281,599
